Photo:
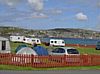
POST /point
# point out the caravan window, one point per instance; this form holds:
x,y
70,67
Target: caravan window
x,y
63,42
24,39
18,37
10,37
51,41
33,40
3,45
55,41
37,40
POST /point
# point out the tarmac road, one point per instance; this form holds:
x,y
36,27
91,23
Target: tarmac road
x,y
53,72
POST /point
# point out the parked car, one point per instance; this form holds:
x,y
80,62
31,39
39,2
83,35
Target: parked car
x,y
72,54
64,51
98,45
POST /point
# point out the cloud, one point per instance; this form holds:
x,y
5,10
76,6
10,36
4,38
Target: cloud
x,y
10,2
37,4
81,17
39,15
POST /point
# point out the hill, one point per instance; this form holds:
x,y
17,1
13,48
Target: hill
x,y
71,30
57,32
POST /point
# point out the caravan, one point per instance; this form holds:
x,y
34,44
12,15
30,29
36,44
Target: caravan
x,y
24,39
16,38
57,42
31,40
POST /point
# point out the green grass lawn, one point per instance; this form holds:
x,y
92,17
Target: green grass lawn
x,y
80,49
9,67
88,50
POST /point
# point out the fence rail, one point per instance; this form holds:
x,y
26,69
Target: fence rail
x,y
49,61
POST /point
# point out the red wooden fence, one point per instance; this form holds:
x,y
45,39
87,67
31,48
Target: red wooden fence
x,y
49,61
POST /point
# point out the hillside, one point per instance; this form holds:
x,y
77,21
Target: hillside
x,y
71,30
7,31
58,32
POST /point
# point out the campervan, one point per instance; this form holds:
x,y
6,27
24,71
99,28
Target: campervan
x,y
57,42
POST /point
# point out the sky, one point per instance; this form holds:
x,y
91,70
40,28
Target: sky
x,y
50,14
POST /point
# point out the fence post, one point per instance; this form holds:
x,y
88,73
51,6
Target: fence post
x,y
91,60
32,60
65,60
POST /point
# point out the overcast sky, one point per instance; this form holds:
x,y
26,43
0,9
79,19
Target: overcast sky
x,y
48,14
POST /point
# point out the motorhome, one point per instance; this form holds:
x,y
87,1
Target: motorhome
x,y
57,42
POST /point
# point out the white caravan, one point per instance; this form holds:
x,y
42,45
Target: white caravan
x,y
32,40
17,38
57,42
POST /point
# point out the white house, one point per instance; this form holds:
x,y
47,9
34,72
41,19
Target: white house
x,y
32,40
57,42
17,38
4,45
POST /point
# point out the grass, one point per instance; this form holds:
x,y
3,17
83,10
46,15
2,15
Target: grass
x,y
80,49
9,67
88,50
15,45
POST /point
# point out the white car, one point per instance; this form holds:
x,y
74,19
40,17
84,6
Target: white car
x,y
72,54
64,51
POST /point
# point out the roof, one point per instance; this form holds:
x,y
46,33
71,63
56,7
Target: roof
x,y
2,38
66,48
57,39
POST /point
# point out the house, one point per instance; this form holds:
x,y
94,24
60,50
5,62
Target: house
x,y
16,38
4,45
57,42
